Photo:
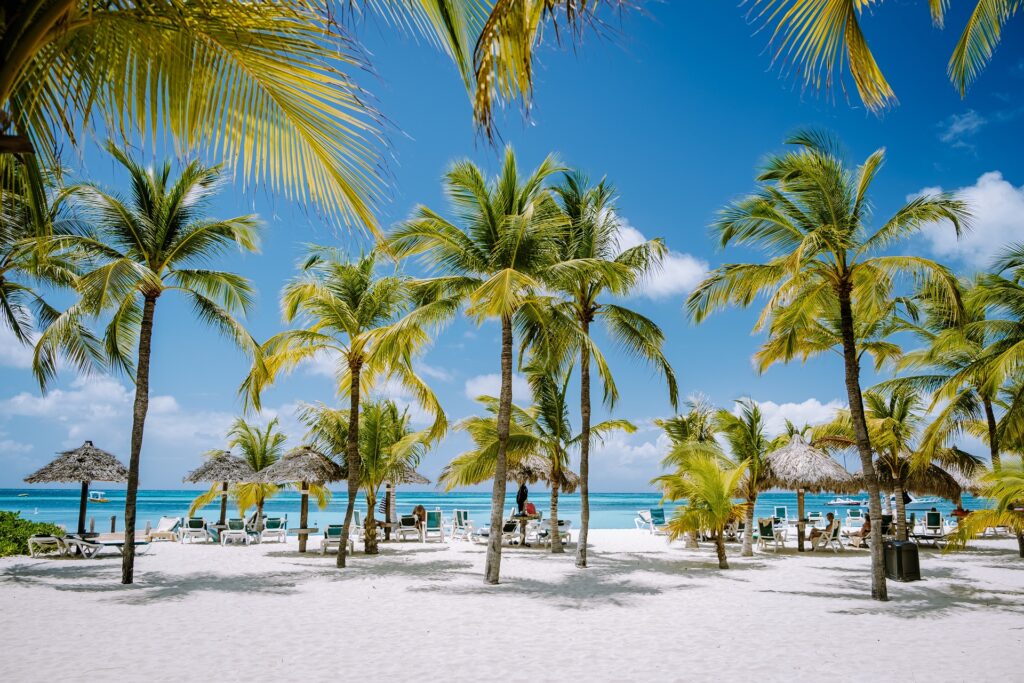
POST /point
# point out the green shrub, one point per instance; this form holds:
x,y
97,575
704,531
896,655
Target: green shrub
x,y
15,532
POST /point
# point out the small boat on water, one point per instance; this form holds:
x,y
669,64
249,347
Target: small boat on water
x,y
22,495
98,497
918,502
847,502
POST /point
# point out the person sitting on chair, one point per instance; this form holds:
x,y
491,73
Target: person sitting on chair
x,y
816,532
420,513
859,538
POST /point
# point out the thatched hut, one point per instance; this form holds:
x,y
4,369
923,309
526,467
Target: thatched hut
x,y
83,465
224,468
302,465
799,465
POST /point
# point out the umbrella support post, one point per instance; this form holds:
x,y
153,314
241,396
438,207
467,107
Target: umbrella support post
x,y
82,506
387,512
304,517
800,520
223,504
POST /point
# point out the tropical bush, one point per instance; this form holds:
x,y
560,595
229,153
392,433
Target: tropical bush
x,y
15,532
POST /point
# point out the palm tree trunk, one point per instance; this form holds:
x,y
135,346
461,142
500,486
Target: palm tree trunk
x,y
888,504
860,430
492,567
370,539
556,539
351,458
901,511
581,544
723,563
259,515
139,411
748,532
1020,544
993,438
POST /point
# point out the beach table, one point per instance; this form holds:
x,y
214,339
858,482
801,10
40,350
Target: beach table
x,y
523,521
301,532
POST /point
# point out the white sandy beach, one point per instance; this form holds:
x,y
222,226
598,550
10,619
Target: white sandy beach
x,y
644,610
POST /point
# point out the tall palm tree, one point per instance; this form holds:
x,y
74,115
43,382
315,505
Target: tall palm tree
x,y
708,486
821,39
261,447
371,326
388,448
809,217
142,248
265,85
497,256
593,238
1005,488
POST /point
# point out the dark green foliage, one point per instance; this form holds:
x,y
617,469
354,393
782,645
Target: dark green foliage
x,y
15,532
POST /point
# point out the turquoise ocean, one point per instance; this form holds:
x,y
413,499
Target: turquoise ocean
x,y
607,510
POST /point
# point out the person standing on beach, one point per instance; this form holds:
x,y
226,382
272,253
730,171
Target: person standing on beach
x,y
521,497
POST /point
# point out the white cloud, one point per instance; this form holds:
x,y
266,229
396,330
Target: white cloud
x,y
679,272
812,411
997,208
958,128
490,385
323,363
12,447
633,450
13,353
403,398
434,372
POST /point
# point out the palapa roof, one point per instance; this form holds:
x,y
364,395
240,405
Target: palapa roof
x,y
221,466
302,464
931,481
85,463
533,468
799,465
410,476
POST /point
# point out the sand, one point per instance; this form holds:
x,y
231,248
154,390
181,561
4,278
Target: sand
x,y
644,610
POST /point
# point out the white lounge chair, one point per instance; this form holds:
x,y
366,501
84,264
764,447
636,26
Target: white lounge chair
x,y
40,545
166,530
462,525
652,520
541,533
195,528
768,534
236,531
407,526
781,515
275,528
854,517
332,539
830,539
434,528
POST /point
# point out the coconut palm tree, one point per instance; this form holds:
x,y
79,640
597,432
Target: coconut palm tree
x,y
821,39
266,85
388,448
594,237
372,327
1005,489
809,216
497,256
708,486
141,249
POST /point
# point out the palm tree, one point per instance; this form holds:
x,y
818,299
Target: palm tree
x,y
266,85
388,448
821,39
371,326
708,487
140,250
1005,488
498,259
809,217
260,448
592,238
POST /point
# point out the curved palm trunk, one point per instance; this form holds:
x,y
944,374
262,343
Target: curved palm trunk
x,y
259,515
860,430
492,567
901,511
748,532
887,503
139,411
993,438
723,563
556,539
351,459
370,539
581,544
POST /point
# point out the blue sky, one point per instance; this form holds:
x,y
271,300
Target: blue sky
x,y
677,110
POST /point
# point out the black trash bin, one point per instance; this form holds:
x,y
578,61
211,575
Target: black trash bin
x,y
901,561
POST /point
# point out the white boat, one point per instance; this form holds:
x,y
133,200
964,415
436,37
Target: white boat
x,y
918,502
847,502
98,497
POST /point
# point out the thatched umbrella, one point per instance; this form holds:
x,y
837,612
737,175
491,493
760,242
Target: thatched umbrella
x,y
84,464
799,465
408,476
224,468
306,466
930,481
533,468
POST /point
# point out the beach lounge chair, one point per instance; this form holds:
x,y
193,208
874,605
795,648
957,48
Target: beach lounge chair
x,y
652,520
435,526
510,532
407,526
830,539
462,526
332,539
275,528
767,535
781,515
815,519
854,517
236,531
195,528
43,544
888,528
166,530
934,532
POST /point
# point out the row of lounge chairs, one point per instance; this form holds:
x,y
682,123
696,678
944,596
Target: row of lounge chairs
x,y
237,530
75,545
